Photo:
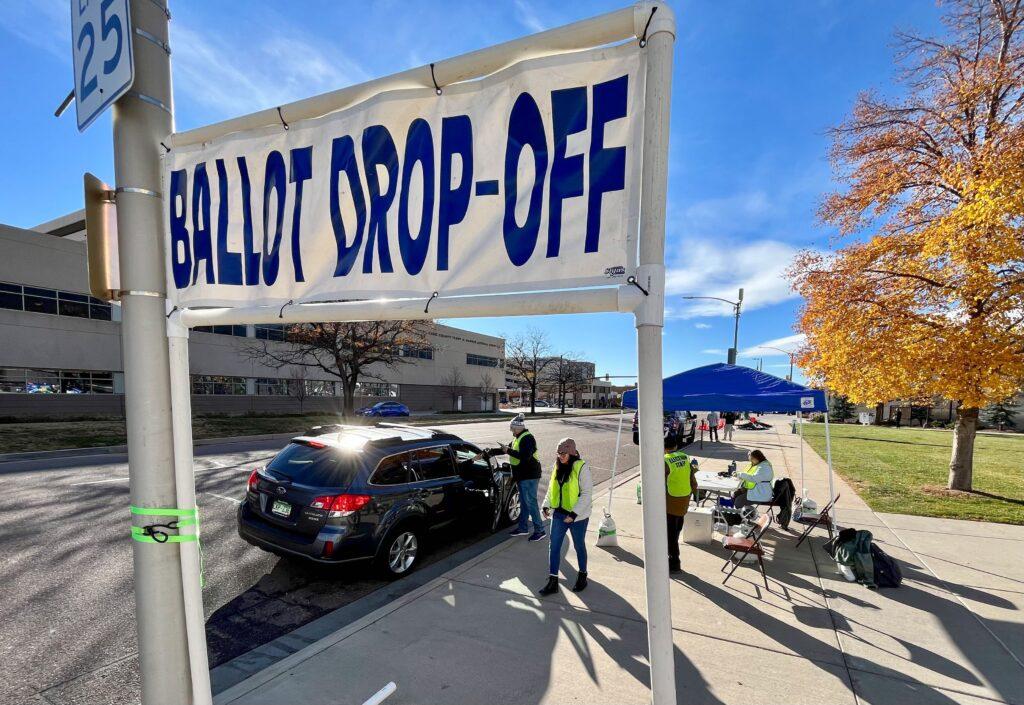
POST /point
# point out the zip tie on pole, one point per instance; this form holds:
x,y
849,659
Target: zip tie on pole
x,y
437,88
280,314
279,115
634,282
157,533
168,149
643,38
426,309
168,316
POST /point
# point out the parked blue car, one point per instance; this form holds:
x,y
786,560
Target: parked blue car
x,y
385,408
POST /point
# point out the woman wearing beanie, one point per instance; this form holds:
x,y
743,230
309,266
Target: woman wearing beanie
x,y
568,504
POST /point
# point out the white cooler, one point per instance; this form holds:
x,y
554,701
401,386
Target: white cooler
x,y
698,524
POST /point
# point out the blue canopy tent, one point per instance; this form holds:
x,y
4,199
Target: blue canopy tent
x,y
722,387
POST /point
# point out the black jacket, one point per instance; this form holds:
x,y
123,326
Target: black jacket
x,y
529,467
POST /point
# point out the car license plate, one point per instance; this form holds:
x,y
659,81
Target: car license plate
x,y
281,508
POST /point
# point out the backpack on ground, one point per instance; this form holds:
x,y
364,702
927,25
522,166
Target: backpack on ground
x,y
887,569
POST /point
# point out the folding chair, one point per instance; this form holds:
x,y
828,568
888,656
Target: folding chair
x,y
749,545
824,518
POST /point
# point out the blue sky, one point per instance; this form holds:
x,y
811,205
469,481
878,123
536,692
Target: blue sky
x,y
756,86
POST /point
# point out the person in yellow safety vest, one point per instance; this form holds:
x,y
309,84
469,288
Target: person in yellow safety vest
x,y
568,503
756,487
525,461
680,484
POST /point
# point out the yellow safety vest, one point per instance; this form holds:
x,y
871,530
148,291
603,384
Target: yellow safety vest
x,y
678,481
513,460
749,485
568,492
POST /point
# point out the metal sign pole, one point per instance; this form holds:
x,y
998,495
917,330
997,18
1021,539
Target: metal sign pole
x,y
650,321
142,118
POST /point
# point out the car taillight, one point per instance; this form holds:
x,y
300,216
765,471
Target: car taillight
x,y
342,504
253,479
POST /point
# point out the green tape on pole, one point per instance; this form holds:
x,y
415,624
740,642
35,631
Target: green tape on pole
x,y
188,517
139,534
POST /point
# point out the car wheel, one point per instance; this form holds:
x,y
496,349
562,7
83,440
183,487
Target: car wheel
x,y
514,506
400,551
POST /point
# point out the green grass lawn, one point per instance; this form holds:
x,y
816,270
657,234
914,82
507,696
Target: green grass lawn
x,y
19,437
905,471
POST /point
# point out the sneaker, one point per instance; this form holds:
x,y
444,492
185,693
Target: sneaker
x,y
518,532
537,535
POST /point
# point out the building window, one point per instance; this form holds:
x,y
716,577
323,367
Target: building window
x,y
216,384
18,380
318,388
271,387
58,303
481,360
422,353
376,389
238,331
270,332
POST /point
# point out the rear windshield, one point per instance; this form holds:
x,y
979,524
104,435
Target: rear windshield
x,y
306,465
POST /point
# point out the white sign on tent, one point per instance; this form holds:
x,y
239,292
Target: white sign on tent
x,y
527,179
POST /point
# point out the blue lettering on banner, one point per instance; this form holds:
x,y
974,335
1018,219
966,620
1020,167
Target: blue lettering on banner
x,y
369,183
251,257
569,115
273,180
419,149
607,164
202,245
525,128
302,170
229,264
453,202
181,266
379,150
343,159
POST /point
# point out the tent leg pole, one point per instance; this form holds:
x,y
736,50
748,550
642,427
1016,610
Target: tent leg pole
x,y
828,460
803,485
615,460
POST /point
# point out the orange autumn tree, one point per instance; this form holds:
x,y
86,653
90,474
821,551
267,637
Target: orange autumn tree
x,y
932,303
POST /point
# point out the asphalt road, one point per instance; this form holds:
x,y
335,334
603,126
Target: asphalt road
x,y
67,629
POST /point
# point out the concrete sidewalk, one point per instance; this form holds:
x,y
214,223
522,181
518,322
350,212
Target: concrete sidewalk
x,y
953,633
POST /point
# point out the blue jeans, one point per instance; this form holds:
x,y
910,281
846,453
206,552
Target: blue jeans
x,y
578,529
528,508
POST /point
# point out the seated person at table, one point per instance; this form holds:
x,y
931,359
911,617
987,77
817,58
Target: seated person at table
x,y
756,482
680,484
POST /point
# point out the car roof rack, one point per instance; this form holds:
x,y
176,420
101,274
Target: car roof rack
x,y
435,434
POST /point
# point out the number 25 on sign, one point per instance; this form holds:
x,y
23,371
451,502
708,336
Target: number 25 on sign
x,y
101,48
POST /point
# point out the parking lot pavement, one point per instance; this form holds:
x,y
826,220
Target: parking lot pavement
x,y
67,628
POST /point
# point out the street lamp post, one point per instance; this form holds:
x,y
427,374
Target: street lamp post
x,y
791,354
736,305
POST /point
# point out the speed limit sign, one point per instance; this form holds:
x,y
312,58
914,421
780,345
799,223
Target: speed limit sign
x,y
101,47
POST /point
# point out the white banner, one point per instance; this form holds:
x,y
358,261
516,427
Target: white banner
x,y
528,179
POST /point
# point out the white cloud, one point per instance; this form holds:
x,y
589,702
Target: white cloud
x,y
702,326
763,349
705,268
713,351
527,16
224,72
45,24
